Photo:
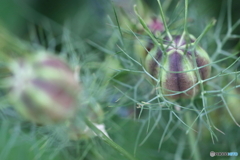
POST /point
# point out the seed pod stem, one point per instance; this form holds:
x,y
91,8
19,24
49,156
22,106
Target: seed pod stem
x,y
192,138
107,140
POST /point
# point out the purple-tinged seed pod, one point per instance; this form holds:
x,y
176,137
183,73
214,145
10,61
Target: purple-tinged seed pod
x,y
179,56
43,88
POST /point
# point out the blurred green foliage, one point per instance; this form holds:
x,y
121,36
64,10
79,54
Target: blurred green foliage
x,y
87,33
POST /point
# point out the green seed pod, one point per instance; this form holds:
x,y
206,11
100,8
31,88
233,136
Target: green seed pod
x,y
179,56
43,88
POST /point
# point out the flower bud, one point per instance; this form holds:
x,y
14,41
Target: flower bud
x,y
178,56
43,88
155,25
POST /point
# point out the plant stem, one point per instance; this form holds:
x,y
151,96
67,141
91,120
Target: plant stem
x,y
192,138
109,141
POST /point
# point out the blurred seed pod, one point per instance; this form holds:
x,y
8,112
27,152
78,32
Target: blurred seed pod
x,y
43,88
178,56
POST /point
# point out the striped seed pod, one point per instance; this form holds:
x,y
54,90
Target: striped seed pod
x,y
43,88
174,66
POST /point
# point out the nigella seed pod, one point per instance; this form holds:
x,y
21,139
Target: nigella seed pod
x,y
43,88
174,66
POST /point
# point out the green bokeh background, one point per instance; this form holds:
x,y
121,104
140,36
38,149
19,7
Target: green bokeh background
x,y
87,20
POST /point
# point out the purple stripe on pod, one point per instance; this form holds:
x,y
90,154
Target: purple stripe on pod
x,y
172,84
41,114
177,82
57,92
